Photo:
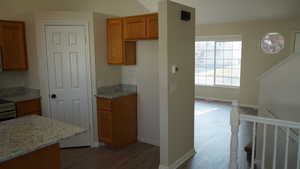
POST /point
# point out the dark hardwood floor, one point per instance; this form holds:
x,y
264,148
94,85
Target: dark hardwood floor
x,y
212,132
135,156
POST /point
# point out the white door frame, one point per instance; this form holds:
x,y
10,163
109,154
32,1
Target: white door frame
x,y
293,40
60,19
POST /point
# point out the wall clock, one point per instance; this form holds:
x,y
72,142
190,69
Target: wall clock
x,y
272,43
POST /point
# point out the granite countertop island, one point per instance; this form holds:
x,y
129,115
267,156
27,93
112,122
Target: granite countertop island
x,y
30,133
111,92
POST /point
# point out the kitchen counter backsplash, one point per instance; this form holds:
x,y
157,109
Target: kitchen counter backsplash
x,y
116,91
19,94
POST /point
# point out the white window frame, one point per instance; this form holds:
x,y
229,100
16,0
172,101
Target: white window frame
x,y
221,38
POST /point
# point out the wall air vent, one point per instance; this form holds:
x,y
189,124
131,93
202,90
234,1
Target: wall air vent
x,y
185,15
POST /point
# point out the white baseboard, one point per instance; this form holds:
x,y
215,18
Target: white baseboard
x,y
225,100
213,99
180,161
163,167
148,141
249,106
97,144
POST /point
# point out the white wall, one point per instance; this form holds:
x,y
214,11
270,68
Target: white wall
x,y
24,11
129,73
110,7
12,79
176,47
106,75
280,94
254,60
145,76
297,42
29,78
279,90
217,93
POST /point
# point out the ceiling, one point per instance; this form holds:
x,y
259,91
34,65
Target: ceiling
x,y
222,11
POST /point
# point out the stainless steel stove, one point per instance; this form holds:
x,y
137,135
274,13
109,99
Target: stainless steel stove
x,y
7,110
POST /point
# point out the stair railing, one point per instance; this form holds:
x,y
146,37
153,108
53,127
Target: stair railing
x,y
236,118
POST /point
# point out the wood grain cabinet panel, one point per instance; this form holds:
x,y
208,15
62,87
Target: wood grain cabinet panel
x,y
120,52
115,41
45,158
31,107
104,104
152,26
122,34
134,27
106,126
118,126
13,46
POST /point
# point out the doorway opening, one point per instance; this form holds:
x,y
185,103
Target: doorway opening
x,y
217,82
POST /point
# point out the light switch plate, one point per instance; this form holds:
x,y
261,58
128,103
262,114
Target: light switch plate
x,y
174,69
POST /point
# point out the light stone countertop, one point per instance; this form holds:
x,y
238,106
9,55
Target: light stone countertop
x,y
111,92
27,134
19,94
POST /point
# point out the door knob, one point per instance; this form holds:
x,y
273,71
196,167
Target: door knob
x,y
53,96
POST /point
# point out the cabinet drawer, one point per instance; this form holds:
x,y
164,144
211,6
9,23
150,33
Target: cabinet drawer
x,y
28,107
104,104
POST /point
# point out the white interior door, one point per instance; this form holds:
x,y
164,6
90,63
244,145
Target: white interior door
x,y
68,79
297,43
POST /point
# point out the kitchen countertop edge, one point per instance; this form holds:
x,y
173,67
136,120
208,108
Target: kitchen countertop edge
x,y
39,146
114,96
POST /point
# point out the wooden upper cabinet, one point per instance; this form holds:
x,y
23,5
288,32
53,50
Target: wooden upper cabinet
x,y
119,51
135,27
13,46
141,27
152,26
122,34
115,41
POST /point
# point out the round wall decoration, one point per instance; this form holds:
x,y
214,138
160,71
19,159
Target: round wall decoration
x,y
272,43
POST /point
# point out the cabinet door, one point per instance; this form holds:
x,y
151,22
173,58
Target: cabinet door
x,y
152,26
105,119
135,28
115,41
13,46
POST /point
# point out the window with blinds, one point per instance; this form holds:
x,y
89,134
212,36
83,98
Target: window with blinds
x,y
218,63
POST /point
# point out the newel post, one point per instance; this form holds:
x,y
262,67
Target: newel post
x,y
234,123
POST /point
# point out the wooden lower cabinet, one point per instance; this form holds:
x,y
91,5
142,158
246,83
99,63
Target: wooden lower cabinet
x,y
117,120
106,128
45,158
31,107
